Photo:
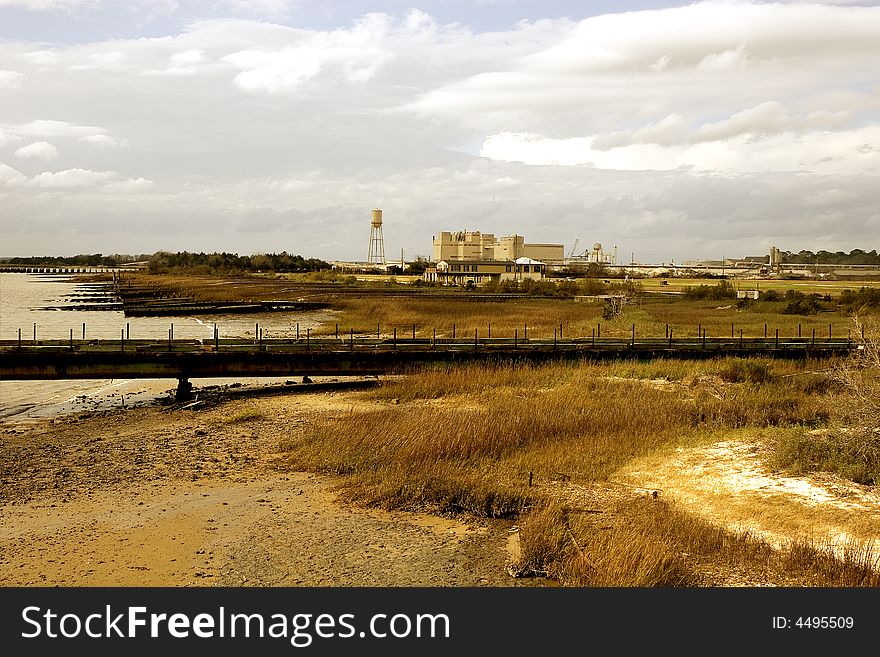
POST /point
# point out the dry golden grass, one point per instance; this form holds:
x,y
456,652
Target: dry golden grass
x,y
491,441
648,542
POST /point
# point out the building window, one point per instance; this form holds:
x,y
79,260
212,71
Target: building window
x,y
526,269
507,268
456,267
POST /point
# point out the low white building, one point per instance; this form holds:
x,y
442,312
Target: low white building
x,y
480,272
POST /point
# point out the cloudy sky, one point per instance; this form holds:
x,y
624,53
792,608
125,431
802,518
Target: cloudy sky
x,y
672,130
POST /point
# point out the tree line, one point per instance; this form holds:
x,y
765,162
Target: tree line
x,y
854,257
165,262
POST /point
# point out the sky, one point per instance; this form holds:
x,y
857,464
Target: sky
x,y
671,130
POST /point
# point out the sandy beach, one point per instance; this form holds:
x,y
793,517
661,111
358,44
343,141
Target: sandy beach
x,y
172,496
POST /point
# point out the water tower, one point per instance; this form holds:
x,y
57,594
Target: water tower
x,y
377,244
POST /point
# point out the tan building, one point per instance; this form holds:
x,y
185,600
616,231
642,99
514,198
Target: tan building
x,y
480,272
474,245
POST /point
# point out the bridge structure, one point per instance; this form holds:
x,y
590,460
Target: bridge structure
x,y
348,355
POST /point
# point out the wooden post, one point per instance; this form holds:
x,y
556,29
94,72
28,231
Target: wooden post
x,y
261,339
337,330
829,331
731,329
525,331
634,336
434,340
121,339
799,329
128,330
216,338
351,339
777,339
740,338
599,330
670,337
19,338
554,338
71,338
490,329
593,342
297,331
395,338
765,331
414,331
377,331
169,339
814,336
560,330
453,331
35,331
667,330
704,338
515,337
308,335
84,330
699,330
475,339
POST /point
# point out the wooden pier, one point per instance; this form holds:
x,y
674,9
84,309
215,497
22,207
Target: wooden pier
x,y
351,355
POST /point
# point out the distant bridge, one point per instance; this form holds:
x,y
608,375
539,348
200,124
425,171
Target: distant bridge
x,y
347,355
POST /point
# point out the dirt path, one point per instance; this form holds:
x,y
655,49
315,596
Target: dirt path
x,y
191,497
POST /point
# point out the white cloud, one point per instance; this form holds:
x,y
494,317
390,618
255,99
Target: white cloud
x,y
42,150
52,128
72,179
10,176
10,79
104,141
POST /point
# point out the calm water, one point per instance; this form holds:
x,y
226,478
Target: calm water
x,y
22,297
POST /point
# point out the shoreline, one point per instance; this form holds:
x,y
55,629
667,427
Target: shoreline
x,y
199,496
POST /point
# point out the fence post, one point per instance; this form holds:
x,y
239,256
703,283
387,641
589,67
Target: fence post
x,y
475,339
84,330
799,329
667,330
297,331
216,338
434,340
634,336
35,332
765,331
19,338
704,338
377,330
71,338
829,331
593,342
777,338
699,330
337,330
172,331
414,331
814,337
731,330
560,330
128,331
169,339
308,334
554,338
453,331
515,337
670,337
740,338
394,342
121,339
351,340
490,330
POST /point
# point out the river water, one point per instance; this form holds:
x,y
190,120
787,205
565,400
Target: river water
x,y
23,302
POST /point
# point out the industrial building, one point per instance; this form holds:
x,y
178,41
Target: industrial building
x,y
480,272
474,245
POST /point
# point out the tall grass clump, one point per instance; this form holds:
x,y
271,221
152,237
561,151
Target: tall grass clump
x,y
850,446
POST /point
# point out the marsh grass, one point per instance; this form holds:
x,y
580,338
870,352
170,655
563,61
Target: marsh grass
x,y
649,542
466,438
246,415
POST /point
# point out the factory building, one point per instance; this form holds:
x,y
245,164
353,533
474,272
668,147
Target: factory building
x,y
480,272
474,245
